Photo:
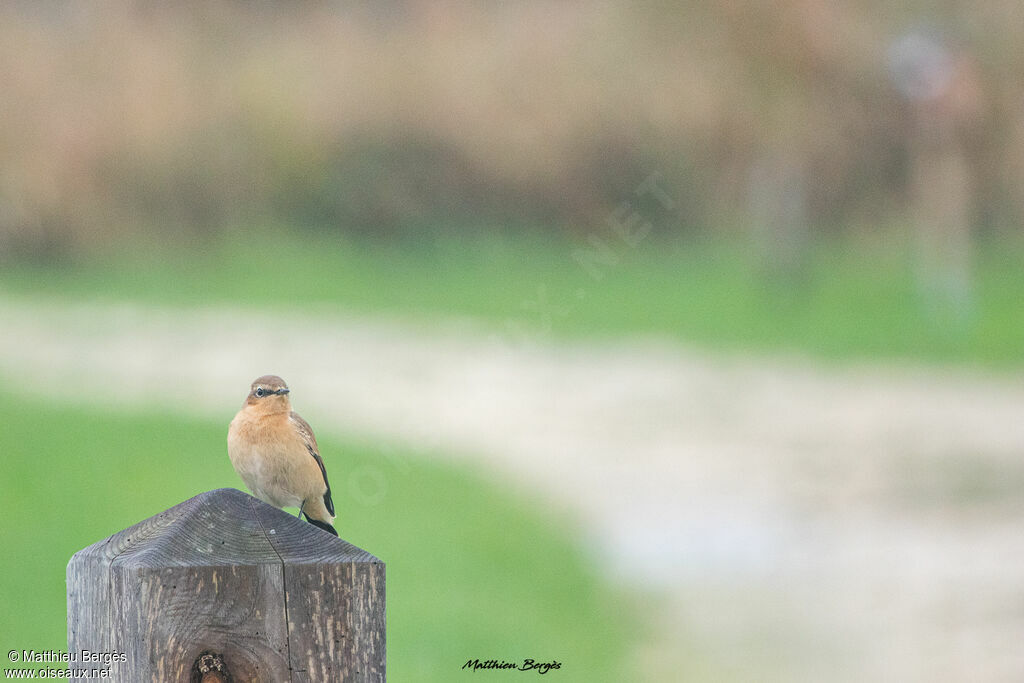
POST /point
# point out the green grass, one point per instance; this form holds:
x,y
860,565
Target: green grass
x,y
473,570
845,301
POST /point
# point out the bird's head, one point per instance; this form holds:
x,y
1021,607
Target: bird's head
x,y
269,392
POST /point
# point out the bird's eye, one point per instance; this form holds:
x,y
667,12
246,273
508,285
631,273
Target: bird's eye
x,y
259,392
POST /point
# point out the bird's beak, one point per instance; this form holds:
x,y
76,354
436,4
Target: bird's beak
x,y
283,391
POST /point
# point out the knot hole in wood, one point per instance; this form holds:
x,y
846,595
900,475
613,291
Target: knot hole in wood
x,y
209,667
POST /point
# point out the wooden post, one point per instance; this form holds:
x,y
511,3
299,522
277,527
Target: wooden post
x,y
224,587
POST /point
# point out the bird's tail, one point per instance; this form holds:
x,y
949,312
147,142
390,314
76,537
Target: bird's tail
x,y
323,525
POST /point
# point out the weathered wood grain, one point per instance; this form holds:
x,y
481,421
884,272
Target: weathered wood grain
x,y
335,607
277,598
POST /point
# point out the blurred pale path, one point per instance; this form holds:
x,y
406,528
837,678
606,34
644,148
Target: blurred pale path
x,y
794,522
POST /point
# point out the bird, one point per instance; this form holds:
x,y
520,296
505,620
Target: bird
x,y
275,453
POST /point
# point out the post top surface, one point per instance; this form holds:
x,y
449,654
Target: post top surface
x,y
223,527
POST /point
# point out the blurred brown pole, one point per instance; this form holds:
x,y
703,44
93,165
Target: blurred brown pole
x,y
941,189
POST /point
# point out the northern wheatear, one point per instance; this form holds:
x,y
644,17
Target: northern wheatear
x,y
275,453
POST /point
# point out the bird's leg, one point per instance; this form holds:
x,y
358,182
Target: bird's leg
x,y
300,510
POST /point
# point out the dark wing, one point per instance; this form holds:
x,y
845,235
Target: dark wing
x,y
306,432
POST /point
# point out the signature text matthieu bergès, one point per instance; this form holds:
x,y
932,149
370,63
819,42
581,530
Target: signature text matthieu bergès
x,y
527,665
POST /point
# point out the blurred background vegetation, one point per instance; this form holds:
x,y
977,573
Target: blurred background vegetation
x,y
388,120
838,179
795,140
